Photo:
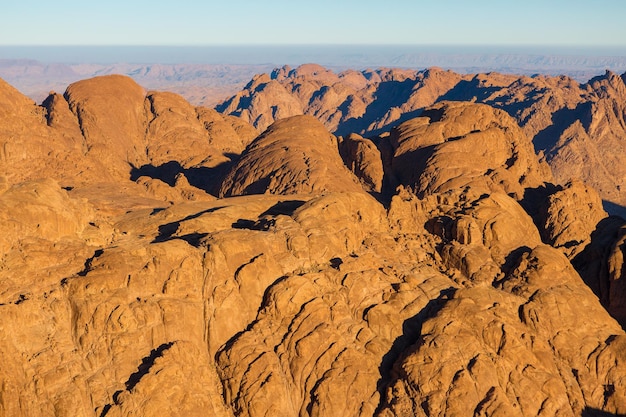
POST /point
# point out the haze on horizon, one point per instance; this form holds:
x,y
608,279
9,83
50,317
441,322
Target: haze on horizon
x,y
571,23
553,38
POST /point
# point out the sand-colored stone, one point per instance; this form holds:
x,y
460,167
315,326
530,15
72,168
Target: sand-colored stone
x,y
320,292
174,130
230,133
601,265
364,159
262,113
112,117
294,155
576,127
570,215
457,144
107,130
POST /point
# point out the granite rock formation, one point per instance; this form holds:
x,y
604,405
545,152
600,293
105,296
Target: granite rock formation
x,y
197,268
577,128
295,155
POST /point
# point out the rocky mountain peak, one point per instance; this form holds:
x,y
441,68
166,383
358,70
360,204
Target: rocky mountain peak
x,y
572,126
158,258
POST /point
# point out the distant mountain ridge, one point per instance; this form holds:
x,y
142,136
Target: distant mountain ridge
x,y
578,66
201,84
205,75
578,129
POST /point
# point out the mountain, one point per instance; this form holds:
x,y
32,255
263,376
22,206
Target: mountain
x,y
201,84
578,129
163,259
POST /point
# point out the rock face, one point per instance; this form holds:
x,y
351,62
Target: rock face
x,y
601,264
294,155
569,217
111,112
26,142
365,160
108,129
199,269
578,129
454,144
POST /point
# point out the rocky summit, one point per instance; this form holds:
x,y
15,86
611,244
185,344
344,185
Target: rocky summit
x,y
577,128
161,259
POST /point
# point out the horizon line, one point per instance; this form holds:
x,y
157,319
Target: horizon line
x,y
204,45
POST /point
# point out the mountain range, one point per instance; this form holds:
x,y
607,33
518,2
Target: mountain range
x,y
367,243
577,128
201,84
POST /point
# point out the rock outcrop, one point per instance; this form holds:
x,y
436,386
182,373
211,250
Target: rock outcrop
x,y
577,128
454,144
601,265
196,268
109,130
364,159
112,119
569,217
28,148
295,155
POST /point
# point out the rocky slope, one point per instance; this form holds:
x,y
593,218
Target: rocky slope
x,y
577,128
161,259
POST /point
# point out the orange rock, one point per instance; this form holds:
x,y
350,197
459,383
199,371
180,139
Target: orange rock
x,y
127,290
294,155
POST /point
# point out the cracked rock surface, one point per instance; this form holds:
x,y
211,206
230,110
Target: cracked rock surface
x,y
436,270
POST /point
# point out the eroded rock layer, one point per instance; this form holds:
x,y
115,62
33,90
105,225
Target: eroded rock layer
x,y
578,128
199,269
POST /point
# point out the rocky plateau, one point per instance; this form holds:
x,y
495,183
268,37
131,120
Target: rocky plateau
x,y
379,243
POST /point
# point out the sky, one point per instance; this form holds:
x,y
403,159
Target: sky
x,y
328,22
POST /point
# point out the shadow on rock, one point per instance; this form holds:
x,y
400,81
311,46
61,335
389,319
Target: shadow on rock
x,y
594,412
167,231
388,92
207,179
411,336
600,268
614,209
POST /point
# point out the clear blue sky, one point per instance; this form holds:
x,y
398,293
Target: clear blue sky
x,y
187,22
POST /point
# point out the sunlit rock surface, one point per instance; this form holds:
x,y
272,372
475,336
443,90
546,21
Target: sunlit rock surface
x,y
159,259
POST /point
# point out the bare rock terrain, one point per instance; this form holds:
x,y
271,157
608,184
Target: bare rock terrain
x,y
296,155
158,258
576,127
